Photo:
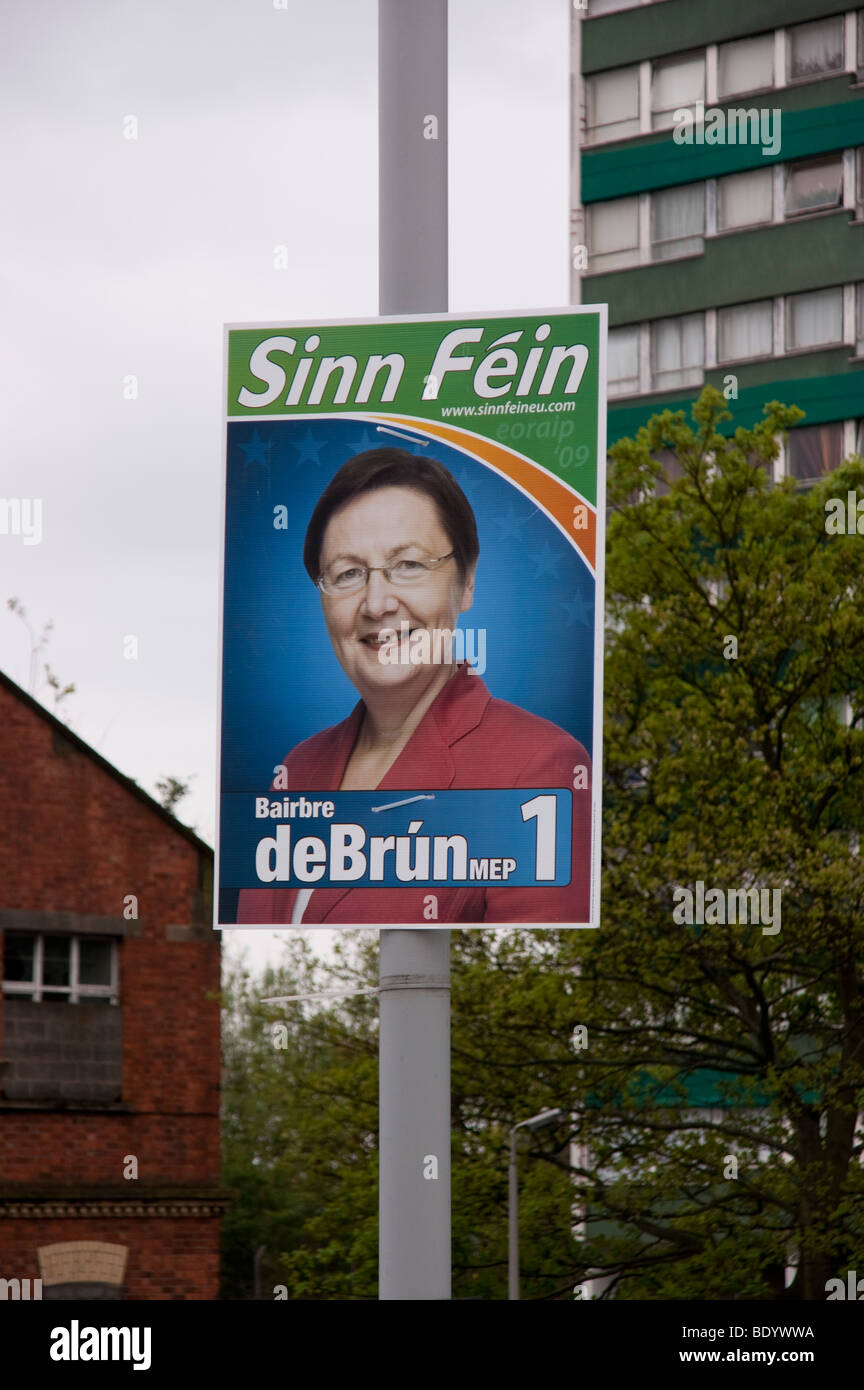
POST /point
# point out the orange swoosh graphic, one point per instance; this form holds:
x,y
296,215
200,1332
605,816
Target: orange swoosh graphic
x,y
549,491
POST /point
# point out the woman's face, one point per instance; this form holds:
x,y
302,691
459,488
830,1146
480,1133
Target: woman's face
x,y
380,528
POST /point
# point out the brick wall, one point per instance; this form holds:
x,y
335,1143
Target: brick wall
x,y
77,843
87,1147
168,1258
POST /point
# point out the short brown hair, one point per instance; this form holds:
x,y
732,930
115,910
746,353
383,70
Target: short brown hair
x,y
377,468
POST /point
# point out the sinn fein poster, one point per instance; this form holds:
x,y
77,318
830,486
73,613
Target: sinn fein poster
x,y
412,619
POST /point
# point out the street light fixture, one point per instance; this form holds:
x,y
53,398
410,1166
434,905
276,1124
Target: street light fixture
x,y
541,1121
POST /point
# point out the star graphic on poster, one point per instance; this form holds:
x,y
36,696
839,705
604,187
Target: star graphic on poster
x,y
577,610
367,441
509,524
308,449
256,450
546,561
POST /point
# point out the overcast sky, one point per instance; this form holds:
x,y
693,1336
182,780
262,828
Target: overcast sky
x,y
123,257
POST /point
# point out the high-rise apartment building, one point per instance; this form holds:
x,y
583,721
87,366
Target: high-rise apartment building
x,y
718,207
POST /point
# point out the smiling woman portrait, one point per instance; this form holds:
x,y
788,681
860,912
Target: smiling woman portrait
x,y
392,547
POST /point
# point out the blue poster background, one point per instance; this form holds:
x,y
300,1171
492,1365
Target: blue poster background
x,y
281,681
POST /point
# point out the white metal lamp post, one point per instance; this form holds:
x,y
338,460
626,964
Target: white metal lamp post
x,y
541,1121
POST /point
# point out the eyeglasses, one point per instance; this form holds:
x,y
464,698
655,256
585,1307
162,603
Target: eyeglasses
x,y
341,578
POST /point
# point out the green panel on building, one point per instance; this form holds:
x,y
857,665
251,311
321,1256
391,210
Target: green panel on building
x,y
651,31
827,398
736,267
650,162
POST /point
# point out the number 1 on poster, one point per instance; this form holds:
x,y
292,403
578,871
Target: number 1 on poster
x,y
544,810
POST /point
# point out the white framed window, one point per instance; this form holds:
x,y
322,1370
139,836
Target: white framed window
x,y
815,49
860,47
612,111
745,200
850,438
676,83
747,65
745,330
850,182
813,184
814,450
60,969
677,221
623,361
814,319
613,234
677,352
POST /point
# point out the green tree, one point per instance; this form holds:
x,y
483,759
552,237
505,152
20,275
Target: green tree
x,y
739,771
170,791
300,1128
300,1098
721,1049
37,645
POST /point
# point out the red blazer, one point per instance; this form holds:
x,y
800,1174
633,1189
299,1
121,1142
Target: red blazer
x,y
465,739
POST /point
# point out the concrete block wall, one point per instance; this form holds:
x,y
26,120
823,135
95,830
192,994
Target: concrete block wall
x,y
62,1051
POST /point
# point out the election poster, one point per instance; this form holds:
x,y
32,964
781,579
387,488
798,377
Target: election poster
x,y
412,620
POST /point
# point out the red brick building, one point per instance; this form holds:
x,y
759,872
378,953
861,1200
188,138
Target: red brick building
x,y
109,1027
